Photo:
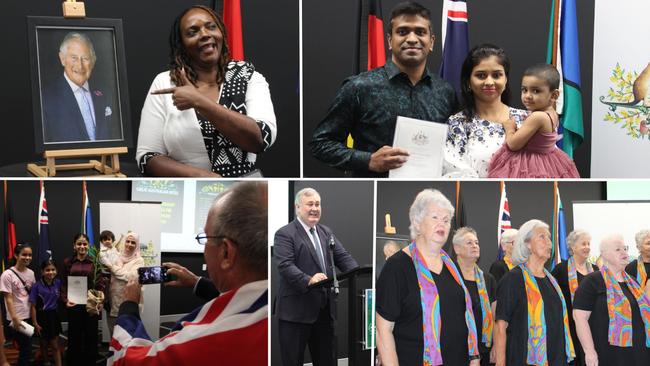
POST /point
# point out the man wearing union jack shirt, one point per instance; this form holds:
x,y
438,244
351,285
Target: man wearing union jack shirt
x,y
230,329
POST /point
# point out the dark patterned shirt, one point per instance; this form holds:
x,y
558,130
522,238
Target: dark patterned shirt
x,y
367,106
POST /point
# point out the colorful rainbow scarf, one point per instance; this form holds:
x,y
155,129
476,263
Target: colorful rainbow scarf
x,y
431,308
620,311
573,275
536,354
486,309
641,275
508,262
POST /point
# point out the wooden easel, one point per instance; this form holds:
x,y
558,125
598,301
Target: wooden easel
x,y
50,168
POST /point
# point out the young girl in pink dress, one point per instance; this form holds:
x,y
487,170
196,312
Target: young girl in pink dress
x,y
530,151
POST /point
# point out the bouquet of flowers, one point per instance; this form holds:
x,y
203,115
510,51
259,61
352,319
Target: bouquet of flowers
x,y
95,297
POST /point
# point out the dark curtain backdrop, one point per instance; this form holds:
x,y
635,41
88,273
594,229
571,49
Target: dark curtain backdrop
x,y
347,209
518,26
270,31
65,210
527,200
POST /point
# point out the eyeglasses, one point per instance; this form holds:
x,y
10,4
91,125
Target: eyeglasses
x,y
202,238
445,220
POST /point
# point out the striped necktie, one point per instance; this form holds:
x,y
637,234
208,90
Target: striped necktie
x,y
319,250
87,114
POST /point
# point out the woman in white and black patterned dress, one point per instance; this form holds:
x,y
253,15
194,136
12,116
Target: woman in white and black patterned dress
x,y
207,115
476,132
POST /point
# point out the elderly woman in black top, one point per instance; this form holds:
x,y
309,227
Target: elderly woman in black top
x,y
569,274
640,267
532,325
501,266
424,310
612,312
482,288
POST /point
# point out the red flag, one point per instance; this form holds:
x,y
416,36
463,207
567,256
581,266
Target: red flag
x,y
376,49
371,49
232,20
10,229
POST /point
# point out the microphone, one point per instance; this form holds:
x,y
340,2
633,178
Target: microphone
x,y
332,244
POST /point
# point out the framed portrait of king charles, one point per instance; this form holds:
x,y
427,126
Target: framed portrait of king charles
x,y
79,83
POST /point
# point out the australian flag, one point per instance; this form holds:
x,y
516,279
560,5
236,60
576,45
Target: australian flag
x,y
44,251
455,41
504,219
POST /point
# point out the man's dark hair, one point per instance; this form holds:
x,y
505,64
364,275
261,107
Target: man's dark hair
x,y
474,57
548,73
106,234
242,218
409,8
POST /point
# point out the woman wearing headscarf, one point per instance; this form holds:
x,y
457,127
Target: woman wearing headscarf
x,y
612,311
131,260
501,266
532,321
208,115
481,286
569,274
424,310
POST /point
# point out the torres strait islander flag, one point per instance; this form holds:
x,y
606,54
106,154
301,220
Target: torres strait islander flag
x,y
455,41
86,218
504,219
229,330
563,53
559,251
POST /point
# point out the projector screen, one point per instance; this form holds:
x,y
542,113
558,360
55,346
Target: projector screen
x,y
185,205
601,218
278,205
628,190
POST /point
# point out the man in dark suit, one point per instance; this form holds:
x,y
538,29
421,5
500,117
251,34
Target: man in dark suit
x,y
306,317
72,110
